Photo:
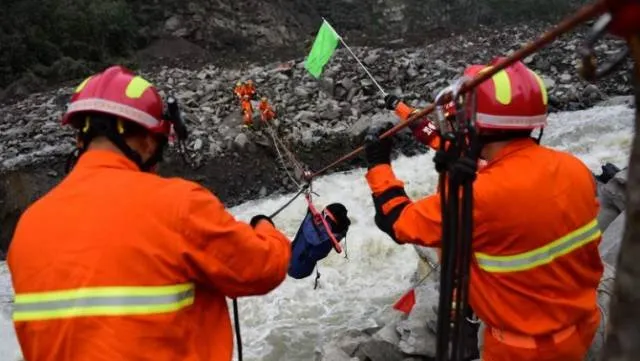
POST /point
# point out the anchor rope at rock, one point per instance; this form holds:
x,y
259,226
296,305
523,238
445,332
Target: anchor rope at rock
x,y
288,203
277,144
306,188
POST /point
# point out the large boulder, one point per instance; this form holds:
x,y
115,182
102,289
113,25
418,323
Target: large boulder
x,y
418,331
611,218
611,238
605,291
612,198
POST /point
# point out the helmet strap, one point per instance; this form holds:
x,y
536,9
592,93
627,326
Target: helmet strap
x,y
156,157
113,130
539,138
485,139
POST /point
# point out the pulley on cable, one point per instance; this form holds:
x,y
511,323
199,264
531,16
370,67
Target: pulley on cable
x,y
456,161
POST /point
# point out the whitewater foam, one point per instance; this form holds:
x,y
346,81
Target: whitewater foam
x,y
291,321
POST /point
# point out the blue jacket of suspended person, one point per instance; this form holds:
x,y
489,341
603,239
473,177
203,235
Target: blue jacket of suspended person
x,y
312,242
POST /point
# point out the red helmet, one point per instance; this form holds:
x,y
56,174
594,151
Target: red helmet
x,y
119,92
624,17
514,98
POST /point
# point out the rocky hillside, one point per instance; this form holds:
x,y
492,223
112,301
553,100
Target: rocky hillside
x,y
43,42
321,120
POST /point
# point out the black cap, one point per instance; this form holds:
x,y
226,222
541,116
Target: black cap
x,y
339,212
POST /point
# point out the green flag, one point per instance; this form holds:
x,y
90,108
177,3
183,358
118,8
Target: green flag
x,y
323,48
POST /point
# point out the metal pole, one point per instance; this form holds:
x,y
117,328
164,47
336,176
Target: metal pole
x,y
355,57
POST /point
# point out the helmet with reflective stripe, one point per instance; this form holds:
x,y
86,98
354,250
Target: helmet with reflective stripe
x,y
119,92
513,99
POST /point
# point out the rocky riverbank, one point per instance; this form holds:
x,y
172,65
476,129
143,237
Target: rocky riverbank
x,y
321,120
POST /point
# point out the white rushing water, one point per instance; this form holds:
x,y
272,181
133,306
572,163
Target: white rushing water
x,y
290,322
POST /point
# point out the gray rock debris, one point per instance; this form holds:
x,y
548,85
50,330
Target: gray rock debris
x,y
319,109
612,199
611,238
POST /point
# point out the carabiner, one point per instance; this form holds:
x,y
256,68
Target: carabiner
x,y
442,100
450,105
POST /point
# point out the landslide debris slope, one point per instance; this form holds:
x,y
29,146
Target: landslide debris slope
x,y
320,120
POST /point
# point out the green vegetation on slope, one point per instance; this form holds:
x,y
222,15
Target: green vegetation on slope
x,y
57,40
61,39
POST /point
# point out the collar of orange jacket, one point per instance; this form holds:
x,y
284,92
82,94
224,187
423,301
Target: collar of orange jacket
x,y
102,158
512,147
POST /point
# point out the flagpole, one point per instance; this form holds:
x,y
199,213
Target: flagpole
x,y
355,57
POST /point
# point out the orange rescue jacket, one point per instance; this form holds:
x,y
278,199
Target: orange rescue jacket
x,y
266,111
250,91
536,264
117,264
239,91
424,130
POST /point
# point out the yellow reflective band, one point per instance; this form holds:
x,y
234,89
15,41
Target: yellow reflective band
x,y
82,85
543,89
543,255
102,301
73,312
100,292
502,85
137,87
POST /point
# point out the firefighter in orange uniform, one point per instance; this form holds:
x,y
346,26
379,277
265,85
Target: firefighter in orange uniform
x,y
118,263
247,112
246,93
536,265
266,111
250,90
239,90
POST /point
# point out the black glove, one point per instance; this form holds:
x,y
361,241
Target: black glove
x,y
609,171
342,222
465,169
391,101
254,221
378,151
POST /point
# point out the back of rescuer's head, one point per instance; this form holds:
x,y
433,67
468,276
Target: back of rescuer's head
x,y
120,111
139,139
509,105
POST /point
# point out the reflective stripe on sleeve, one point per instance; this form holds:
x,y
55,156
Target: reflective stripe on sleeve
x,y
102,301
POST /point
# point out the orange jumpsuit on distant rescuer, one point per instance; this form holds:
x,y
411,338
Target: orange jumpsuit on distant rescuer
x,y
245,93
536,266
